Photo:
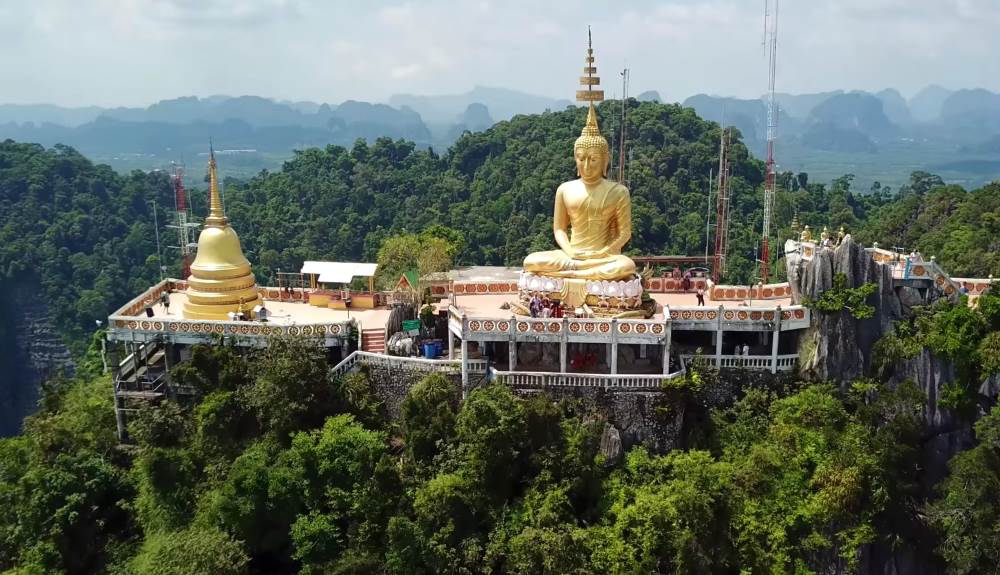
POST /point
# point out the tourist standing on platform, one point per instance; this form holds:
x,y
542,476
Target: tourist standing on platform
x,y
701,295
535,306
746,349
686,283
165,300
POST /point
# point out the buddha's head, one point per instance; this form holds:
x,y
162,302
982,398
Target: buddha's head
x,y
591,151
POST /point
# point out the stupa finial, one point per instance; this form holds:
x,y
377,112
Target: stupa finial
x,y
590,136
216,215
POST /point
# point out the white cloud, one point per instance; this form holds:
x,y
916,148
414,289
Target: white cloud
x,y
135,52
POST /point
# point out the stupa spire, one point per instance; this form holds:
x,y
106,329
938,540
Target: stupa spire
x,y
590,136
216,214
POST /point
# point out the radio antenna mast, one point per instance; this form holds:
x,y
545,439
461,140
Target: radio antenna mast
x,y
771,19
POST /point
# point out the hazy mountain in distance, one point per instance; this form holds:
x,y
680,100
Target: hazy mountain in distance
x,y
849,122
747,116
895,107
854,111
971,115
47,113
800,105
371,121
502,103
304,106
254,110
476,117
925,105
650,96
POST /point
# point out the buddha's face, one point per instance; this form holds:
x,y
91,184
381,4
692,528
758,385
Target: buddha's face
x,y
591,164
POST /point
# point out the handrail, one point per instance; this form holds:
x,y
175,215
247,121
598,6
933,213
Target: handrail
x,y
601,380
412,363
784,362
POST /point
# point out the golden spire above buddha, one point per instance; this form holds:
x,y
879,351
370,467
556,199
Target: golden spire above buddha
x,y
592,219
221,280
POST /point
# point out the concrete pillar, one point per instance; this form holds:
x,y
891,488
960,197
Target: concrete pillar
x,y
465,368
562,345
614,346
775,339
512,345
451,344
718,341
666,347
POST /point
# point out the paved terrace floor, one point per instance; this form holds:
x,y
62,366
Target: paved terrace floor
x,y
488,305
291,313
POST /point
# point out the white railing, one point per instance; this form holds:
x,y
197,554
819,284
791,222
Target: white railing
x,y
542,379
358,358
758,362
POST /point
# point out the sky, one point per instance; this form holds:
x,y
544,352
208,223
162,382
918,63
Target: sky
x,y
136,52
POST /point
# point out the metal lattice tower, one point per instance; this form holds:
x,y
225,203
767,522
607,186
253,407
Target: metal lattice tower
x,y
182,223
722,208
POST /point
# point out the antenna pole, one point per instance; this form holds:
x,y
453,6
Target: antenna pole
x,y
771,18
621,153
708,213
156,230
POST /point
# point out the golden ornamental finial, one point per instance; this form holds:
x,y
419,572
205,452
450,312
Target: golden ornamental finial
x,y
590,136
216,215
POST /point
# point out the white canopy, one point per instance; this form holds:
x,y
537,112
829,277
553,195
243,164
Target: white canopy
x,y
339,272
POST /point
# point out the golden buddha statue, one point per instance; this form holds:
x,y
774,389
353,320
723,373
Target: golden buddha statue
x,y
592,218
221,280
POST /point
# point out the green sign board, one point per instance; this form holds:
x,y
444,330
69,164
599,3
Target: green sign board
x,y
411,324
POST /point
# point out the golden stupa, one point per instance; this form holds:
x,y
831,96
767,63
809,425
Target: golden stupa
x,y
221,280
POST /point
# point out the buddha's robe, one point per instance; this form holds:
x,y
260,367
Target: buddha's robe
x,y
591,224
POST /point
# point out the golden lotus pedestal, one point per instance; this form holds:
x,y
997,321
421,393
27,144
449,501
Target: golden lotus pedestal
x,y
600,298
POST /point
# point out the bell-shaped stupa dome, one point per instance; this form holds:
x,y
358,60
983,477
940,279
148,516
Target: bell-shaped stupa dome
x,y
221,280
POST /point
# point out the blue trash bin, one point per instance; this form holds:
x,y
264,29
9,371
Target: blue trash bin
x,y
430,350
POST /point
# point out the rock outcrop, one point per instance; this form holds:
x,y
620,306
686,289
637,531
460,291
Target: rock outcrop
x,y
838,345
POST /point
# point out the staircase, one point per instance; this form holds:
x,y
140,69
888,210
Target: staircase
x,y
373,340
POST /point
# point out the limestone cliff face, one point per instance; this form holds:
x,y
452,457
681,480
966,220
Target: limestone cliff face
x,y
32,352
838,346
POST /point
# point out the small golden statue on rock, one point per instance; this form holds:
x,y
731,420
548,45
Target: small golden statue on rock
x,y
592,222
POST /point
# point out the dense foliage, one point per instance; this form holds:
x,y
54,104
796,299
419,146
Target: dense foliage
x,y
280,469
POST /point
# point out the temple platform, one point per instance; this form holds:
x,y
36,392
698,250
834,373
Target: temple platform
x,y
289,313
